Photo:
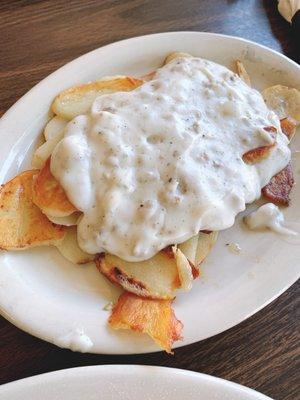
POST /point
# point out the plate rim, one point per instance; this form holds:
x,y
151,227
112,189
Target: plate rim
x,y
111,44
139,370
26,326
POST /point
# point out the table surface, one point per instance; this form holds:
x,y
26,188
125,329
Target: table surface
x,y
40,36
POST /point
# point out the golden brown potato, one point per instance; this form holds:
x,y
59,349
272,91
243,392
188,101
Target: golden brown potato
x,y
242,72
22,224
259,153
176,54
159,277
279,188
255,155
169,58
48,194
155,278
78,99
288,127
154,317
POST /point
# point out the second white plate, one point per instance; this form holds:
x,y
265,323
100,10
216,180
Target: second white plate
x,y
112,382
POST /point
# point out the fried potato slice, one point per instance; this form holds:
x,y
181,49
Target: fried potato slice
x,y
288,127
283,100
259,153
159,277
155,278
242,72
71,251
279,188
22,224
48,194
153,317
54,127
43,152
78,100
206,242
176,54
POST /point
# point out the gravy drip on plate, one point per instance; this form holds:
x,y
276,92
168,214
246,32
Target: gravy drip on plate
x,y
268,216
152,167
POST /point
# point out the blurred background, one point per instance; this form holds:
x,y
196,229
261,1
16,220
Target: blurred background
x,y
37,36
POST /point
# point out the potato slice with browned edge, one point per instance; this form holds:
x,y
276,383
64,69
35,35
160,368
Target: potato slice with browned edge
x,y
260,153
288,127
71,251
279,188
22,224
153,317
242,72
48,194
176,54
206,242
155,278
78,100
160,276
172,56
284,101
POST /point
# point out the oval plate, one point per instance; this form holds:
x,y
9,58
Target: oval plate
x,y
126,382
47,296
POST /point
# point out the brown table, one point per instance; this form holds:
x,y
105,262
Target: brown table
x,y
37,37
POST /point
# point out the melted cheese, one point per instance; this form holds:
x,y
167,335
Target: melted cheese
x,y
154,166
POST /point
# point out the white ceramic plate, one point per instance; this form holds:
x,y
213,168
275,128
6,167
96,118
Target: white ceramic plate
x,y
43,294
112,382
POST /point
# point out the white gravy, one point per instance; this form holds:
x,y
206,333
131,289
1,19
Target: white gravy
x,y
154,166
75,340
268,216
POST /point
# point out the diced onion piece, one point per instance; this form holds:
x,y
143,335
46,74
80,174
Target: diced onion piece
x,y
189,248
242,72
71,251
54,127
184,269
43,152
205,244
68,220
